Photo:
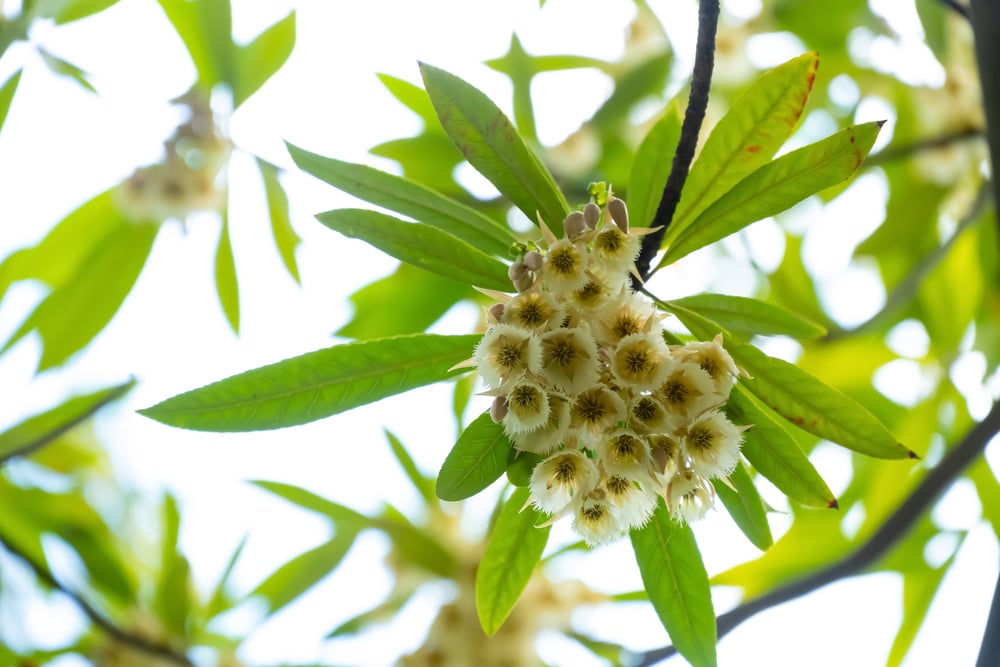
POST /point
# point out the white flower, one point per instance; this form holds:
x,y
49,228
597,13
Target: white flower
x,y
712,358
626,314
506,352
564,267
527,408
639,361
546,439
625,453
615,251
595,410
647,414
595,522
712,444
557,480
687,392
531,310
635,499
569,359
689,495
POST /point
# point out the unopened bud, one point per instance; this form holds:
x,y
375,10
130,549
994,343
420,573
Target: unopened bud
x,y
496,312
524,282
499,409
592,213
616,207
574,225
517,271
533,260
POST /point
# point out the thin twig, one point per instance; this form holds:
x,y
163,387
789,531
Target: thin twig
x,y
701,81
888,535
96,617
899,152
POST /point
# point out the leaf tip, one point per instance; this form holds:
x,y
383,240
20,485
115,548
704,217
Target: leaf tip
x,y
911,454
833,504
880,123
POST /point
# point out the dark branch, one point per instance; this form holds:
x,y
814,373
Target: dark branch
x,y
903,151
701,80
958,8
96,617
989,650
888,535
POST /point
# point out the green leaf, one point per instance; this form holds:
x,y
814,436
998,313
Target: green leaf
x,y
919,587
304,571
408,198
39,430
226,284
644,80
815,406
423,485
746,507
205,27
260,59
381,613
758,122
285,238
420,245
379,312
67,11
676,582
477,460
652,164
316,384
515,547
66,68
519,66
776,187
7,91
520,465
220,601
751,317
414,98
174,587
75,312
491,144
775,454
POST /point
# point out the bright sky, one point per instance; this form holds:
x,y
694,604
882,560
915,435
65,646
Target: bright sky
x,y
61,145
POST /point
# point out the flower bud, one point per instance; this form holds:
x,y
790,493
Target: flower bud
x,y
616,207
574,225
499,409
496,312
517,271
591,214
533,260
524,282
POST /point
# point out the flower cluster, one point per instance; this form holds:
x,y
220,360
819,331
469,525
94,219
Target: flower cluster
x,y
581,374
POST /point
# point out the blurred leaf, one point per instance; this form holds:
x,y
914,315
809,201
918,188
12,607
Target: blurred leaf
x,y
515,546
933,16
423,484
520,68
646,79
414,98
67,11
751,317
304,571
7,91
746,507
379,614
758,122
491,144
260,59
381,308
285,238
520,465
66,68
205,27
421,245
429,159
951,295
919,587
792,286
477,460
77,311
226,284
775,454
316,384
652,164
408,198
988,489
39,430
173,600
220,600
464,386
777,186
676,582
613,653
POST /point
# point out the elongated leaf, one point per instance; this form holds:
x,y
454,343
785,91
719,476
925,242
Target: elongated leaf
x,y
74,10
815,406
186,19
220,599
515,547
775,454
260,59
413,543
676,582
644,80
919,587
423,485
39,430
304,571
751,317
67,69
491,144
174,587
7,91
758,122
414,98
285,238
420,245
72,315
777,186
476,461
520,465
226,284
381,613
651,166
746,507
408,198
315,385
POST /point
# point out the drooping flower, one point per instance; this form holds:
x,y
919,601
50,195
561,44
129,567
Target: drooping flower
x,y
564,268
557,480
532,310
712,358
595,410
635,499
689,495
712,443
647,415
640,361
595,522
506,352
625,453
627,314
527,408
687,392
569,359
547,438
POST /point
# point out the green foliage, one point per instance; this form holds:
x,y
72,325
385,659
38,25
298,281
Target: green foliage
x,y
477,460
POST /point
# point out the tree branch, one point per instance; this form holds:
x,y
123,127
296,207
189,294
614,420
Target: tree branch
x,y
899,152
989,650
133,641
891,532
701,80
959,9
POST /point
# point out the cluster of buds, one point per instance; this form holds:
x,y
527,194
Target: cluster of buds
x,y
185,180
581,374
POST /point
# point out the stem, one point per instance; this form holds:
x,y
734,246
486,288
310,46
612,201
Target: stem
x,y
903,151
136,642
989,650
891,532
701,80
